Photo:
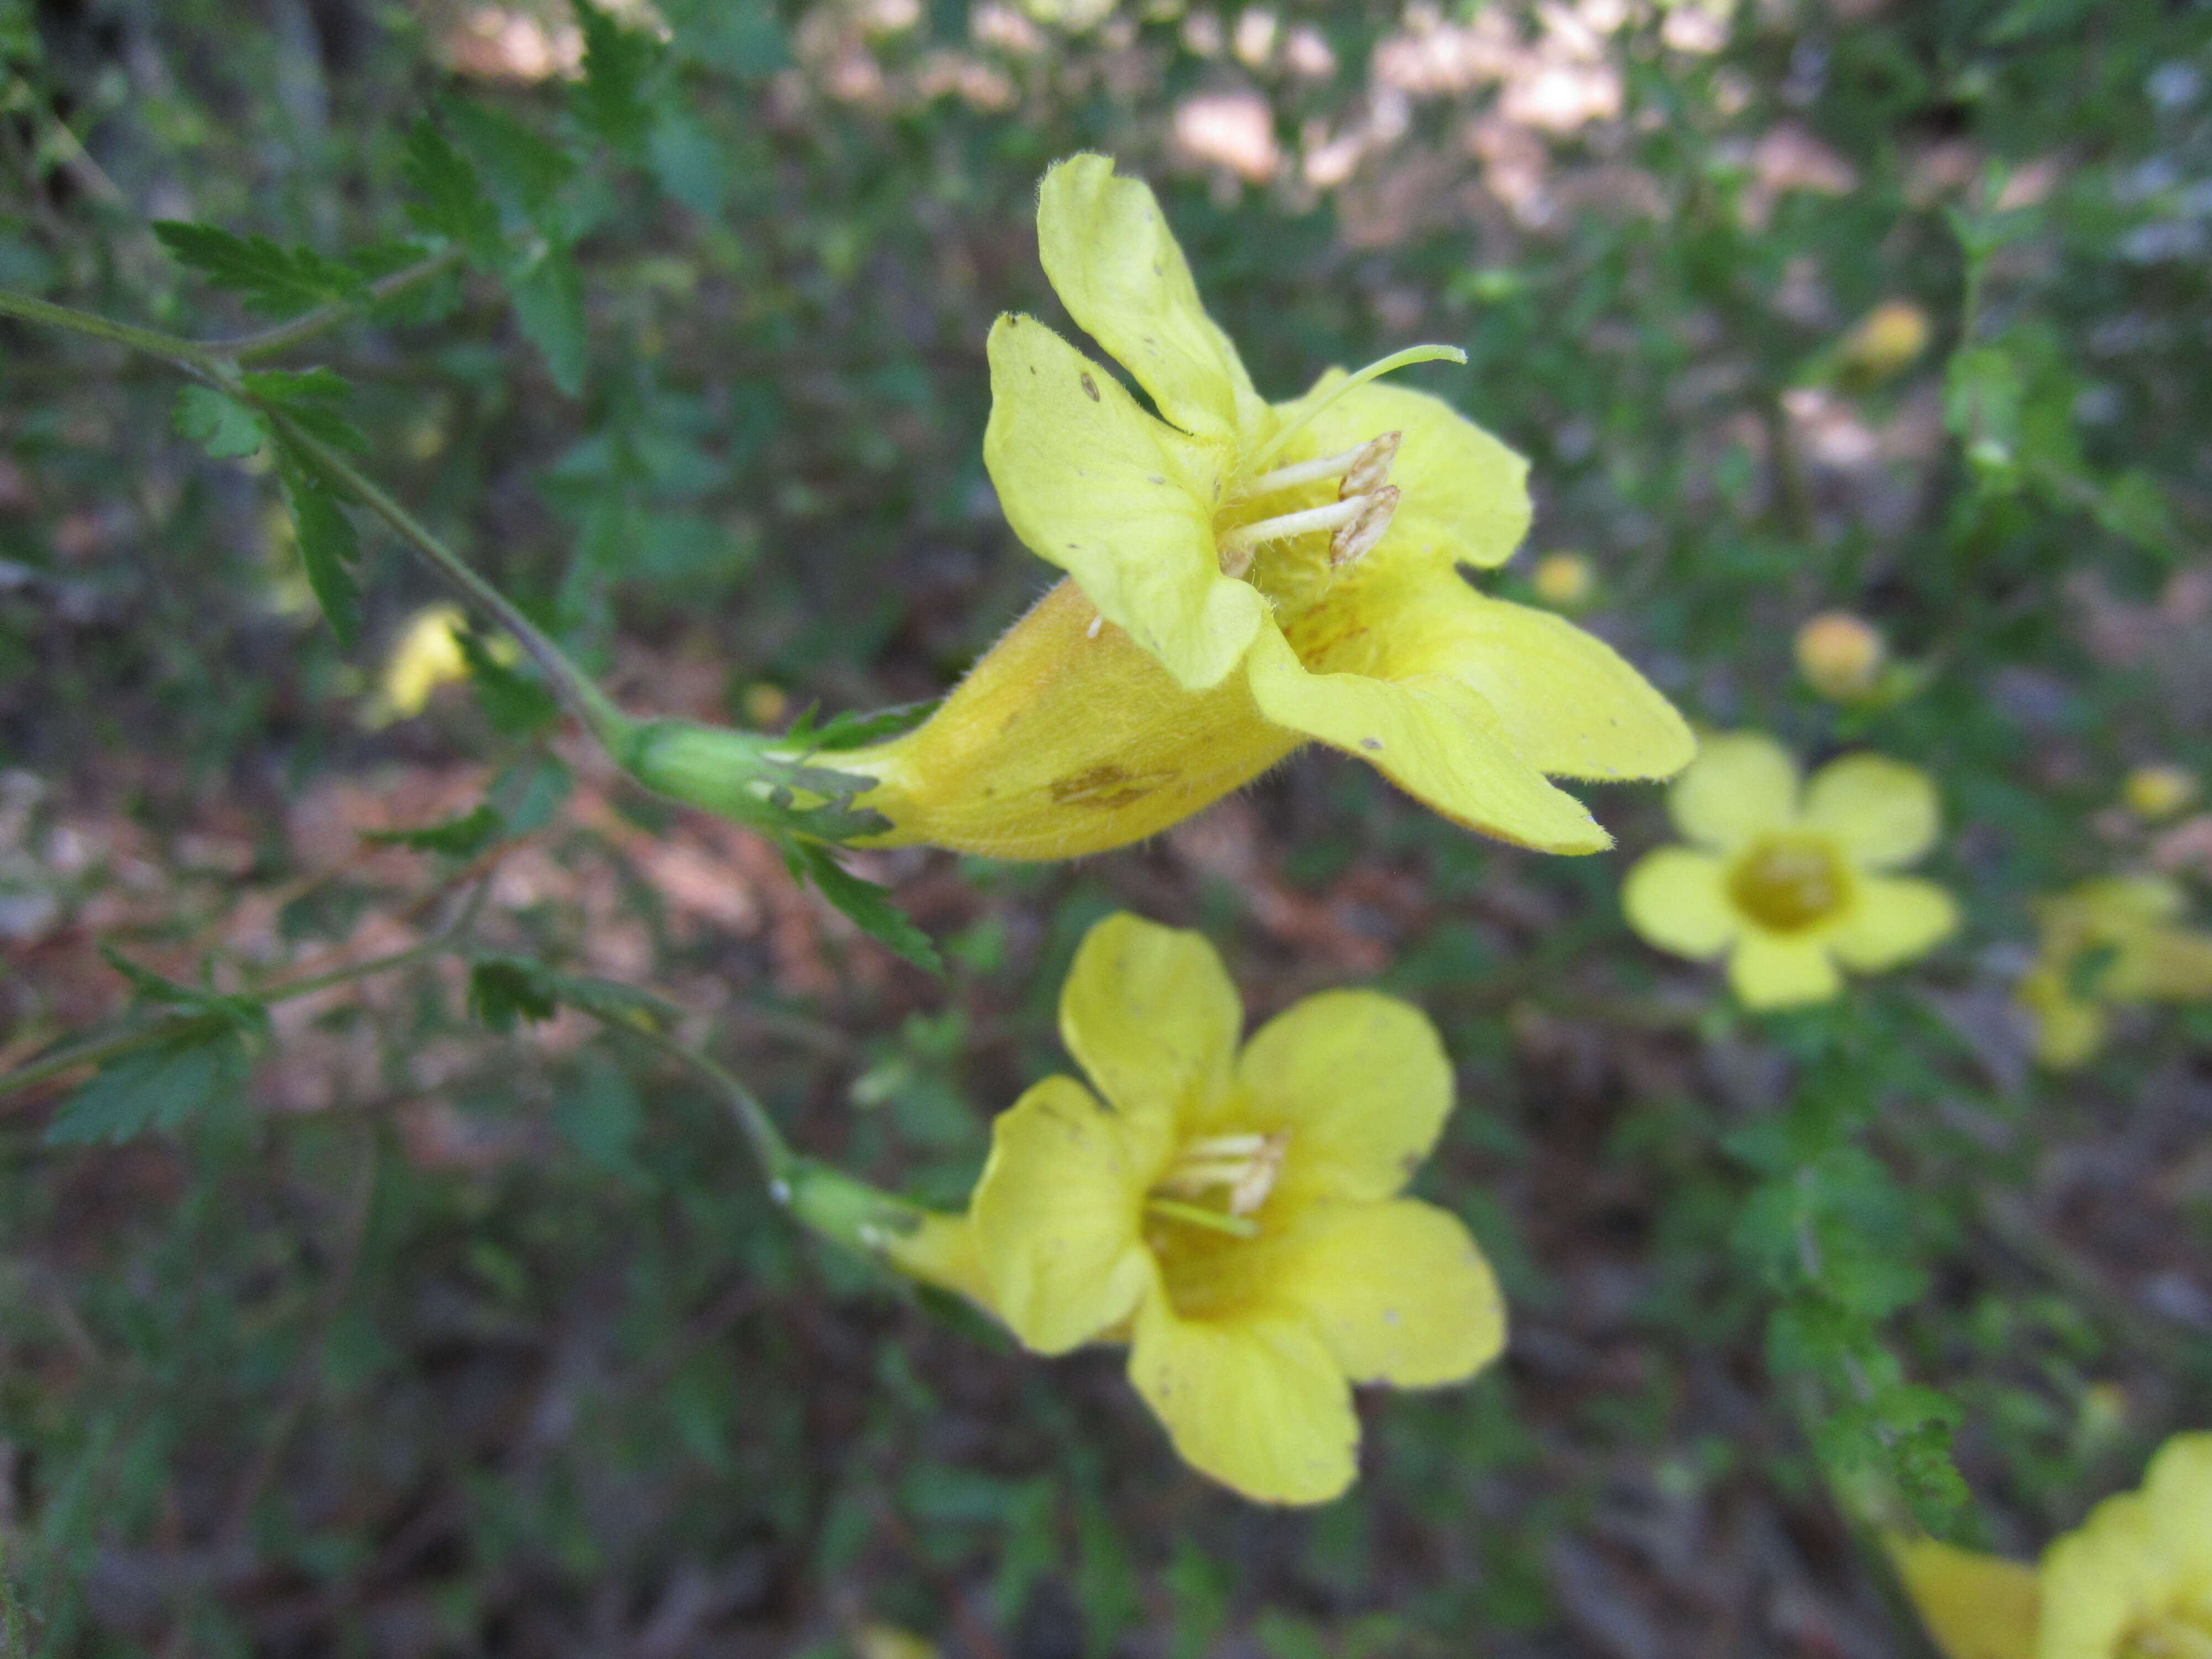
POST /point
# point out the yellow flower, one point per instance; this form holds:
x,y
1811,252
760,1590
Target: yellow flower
x,y
2111,940
1840,654
1234,1215
1242,578
424,657
1564,580
1887,340
2133,1582
2153,793
1790,882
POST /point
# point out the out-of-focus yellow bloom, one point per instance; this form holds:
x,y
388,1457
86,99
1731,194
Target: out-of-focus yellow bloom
x,y
1841,655
1233,1215
880,1641
2114,941
2153,793
765,703
1564,580
1243,578
424,657
2132,1582
1788,881
1887,341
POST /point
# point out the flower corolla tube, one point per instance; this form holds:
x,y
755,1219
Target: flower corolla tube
x,y
1235,1214
1791,878
2133,1582
1244,577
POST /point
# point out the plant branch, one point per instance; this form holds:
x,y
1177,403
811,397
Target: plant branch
x,y
614,730
184,354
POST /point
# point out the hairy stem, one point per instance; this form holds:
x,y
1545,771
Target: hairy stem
x,y
184,354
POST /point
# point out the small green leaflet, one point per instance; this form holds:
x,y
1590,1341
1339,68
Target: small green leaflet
x,y
198,1060
849,730
868,906
523,170
459,838
328,545
611,100
270,278
306,396
220,424
515,706
447,201
504,991
549,305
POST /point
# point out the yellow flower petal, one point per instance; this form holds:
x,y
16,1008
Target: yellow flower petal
x,y
1975,1606
1362,1083
1677,899
1770,971
1892,919
1465,496
2177,1492
2068,1030
1056,1216
2171,964
1257,1403
1399,1292
1149,1012
1742,784
1565,701
2097,1580
1115,266
1882,813
1432,735
1063,741
1093,484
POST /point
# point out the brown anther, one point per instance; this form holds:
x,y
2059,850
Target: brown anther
x,y
1373,468
1352,541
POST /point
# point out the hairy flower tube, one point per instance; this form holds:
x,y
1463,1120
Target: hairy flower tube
x,y
1234,1215
2133,1582
2113,941
1791,880
1242,578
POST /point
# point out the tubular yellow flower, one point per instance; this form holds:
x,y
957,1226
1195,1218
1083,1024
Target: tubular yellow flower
x,y
2114,941
1791,882
2133,1582
1242,578
1233,1215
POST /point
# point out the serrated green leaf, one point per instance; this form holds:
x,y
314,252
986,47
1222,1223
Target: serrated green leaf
x,y
549,305
522,170
867,905
268,277
506,990
516,706
611,100
202,1058
328,545
220,424
448,200
459,838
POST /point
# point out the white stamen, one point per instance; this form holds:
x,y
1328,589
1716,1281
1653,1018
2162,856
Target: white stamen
x,y
1355,462
1098,622
1236,547
1351,544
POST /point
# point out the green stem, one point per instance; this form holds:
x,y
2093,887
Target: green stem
x,y
100,1050
778,1162
185,354
309,323
614,730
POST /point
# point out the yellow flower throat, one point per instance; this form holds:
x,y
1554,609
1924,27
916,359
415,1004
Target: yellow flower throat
x,y
1788,882
1242,1168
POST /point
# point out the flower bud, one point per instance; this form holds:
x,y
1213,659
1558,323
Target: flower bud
x,y
1564,580
1841,655
1888,340
2153,793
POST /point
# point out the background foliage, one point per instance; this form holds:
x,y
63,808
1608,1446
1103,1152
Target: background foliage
x,y
420,1314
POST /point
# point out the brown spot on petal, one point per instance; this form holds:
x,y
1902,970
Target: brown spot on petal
x,y
1090,387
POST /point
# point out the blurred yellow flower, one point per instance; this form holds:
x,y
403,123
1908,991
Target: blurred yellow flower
x,y
1245,577
1791,881
1841,655
1887,341
1564,580
2114,941
2133,1582
424,657
1234,1215
2153,793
